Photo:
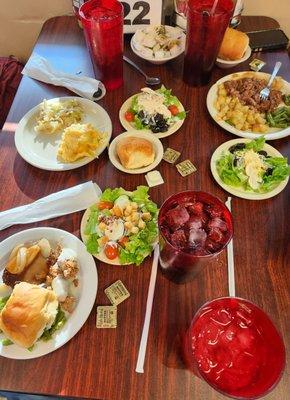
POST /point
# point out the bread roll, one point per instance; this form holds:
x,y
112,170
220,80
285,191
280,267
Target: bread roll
x,y
234,45
135,152
29,310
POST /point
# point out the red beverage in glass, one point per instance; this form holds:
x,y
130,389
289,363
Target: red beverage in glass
x,y
203,38
234,346
102,22
194,228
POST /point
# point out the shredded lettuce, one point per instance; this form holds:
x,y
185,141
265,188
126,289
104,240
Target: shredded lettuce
x,y
234,175
139,124
59,322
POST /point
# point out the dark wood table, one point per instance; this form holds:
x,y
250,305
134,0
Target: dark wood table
x,y
100,364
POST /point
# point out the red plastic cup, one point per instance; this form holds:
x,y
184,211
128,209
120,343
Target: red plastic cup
x,y
102,21
179,261
203,39
234,346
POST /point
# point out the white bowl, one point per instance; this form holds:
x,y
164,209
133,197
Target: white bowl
x,y
230,64
157,145
162,60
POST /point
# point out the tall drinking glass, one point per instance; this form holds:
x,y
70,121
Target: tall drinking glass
x,y
102,21
204,35
234,346
194,227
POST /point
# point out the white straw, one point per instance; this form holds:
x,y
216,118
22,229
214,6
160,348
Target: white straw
x,y
144,337
230,256
212,11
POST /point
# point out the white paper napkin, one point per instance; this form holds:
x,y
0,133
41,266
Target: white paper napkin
x,y
66,201
39,68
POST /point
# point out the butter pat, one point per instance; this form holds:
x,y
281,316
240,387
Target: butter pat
x,y
154,178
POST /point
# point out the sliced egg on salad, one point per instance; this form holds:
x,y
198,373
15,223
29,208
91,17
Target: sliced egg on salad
x,y
60,286
115,230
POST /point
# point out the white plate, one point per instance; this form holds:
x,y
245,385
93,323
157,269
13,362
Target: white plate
x,y
238,191
273,133
157,145
162,60
128,126
40,149
87,289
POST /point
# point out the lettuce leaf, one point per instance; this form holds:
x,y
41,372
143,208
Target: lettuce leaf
x,y
112,194
256,144
139,124
3,301
59,322
169,99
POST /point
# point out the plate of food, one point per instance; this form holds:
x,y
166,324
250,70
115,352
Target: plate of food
x,y
121,228
250,169
157,111
234,103
63,133
48,288
158,43
135,152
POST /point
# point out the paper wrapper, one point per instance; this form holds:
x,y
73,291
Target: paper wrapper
x,y
39,68
66,201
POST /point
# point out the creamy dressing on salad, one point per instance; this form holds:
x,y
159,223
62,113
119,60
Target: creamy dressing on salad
x,y
153,103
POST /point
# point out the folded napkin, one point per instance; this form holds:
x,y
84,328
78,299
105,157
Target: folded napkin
x,y
39,68
66,201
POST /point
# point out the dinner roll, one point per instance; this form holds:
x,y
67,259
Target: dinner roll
x,y
29,310
135,152
234,45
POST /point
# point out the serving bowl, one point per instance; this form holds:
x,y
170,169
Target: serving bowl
x,y
230,64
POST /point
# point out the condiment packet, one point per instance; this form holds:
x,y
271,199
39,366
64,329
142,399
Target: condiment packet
x,y
185,168
117,293
154,178
171,155
106,317
256,64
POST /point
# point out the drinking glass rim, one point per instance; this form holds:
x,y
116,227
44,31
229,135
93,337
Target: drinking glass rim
x,y
85,5
184,252
196,316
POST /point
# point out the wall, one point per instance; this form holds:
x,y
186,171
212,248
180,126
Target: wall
x,y
21,20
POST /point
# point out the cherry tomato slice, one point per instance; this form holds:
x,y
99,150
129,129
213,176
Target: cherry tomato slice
x,y
129,116
122,242
111,251
102,205
173,109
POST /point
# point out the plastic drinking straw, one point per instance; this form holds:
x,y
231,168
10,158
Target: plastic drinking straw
x,y
212,11
230,257
144,337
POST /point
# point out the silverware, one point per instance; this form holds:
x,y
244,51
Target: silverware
x,y
264,93
148,79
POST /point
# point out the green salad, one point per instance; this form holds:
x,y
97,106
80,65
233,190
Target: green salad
x,y
156,110
249,167
122,226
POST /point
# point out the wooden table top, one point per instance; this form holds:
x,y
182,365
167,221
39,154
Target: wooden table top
x,y
100,364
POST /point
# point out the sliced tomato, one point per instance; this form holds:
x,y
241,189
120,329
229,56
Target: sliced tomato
x,y
129,116
102,205
111,251
122,242
173,109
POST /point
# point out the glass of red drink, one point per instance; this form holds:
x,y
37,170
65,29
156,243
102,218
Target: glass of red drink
x,y
204,35
194,227
234,346
102,21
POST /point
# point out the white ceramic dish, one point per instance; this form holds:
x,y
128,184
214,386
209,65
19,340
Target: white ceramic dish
x,y
238,191
230,64
87,289
157,145
128,126
272,134
40,149
152,59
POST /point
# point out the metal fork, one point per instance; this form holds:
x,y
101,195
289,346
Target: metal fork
x,y
264,93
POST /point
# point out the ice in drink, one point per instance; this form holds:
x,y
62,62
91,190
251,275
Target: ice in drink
x,y
194,228
234,346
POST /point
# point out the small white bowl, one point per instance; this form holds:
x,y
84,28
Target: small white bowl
x,y
158,149
163,60
230,64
